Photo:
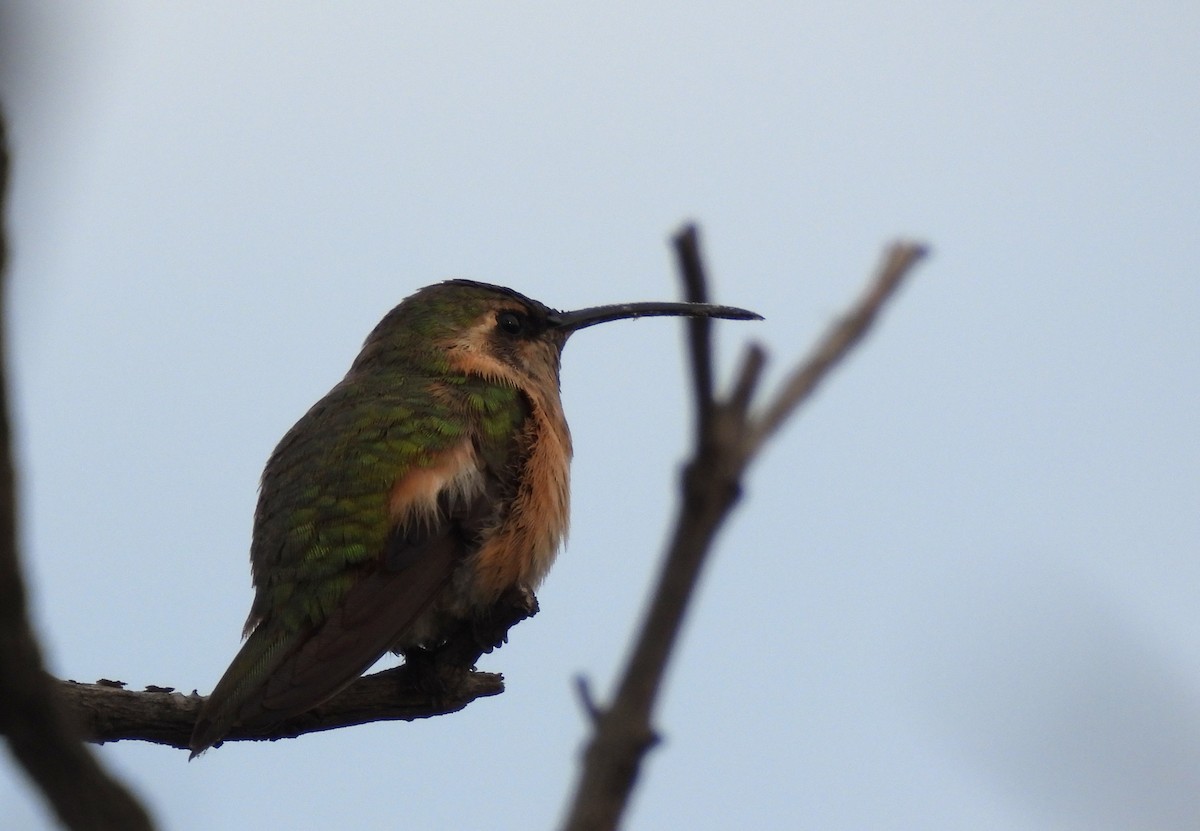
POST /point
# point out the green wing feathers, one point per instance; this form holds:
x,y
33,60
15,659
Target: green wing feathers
x,y
280,673
336,583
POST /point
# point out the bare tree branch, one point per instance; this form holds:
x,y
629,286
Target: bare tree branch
x,y
727,439
42,737
110,713
432,684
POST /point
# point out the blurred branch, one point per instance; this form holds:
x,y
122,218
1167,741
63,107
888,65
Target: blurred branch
x,y
729,436
843,336
430,684
40,733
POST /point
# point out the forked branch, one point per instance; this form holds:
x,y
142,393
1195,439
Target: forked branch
x,y
729,435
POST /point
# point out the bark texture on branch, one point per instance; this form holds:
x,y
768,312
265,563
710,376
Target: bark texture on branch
x,y
435,684
109,713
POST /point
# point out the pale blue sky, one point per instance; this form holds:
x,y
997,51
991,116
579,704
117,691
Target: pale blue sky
x,y
961,591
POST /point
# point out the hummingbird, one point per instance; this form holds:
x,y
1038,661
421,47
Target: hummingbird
x,y
428,482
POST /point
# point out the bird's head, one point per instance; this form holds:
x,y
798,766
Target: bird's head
x,y
482,329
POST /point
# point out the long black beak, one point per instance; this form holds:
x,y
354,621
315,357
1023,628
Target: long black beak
x,y
582,318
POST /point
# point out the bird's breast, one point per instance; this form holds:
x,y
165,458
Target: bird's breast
x,y
522,547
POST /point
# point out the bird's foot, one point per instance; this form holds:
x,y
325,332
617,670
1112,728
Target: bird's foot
x,y
489,628
437,670
423,671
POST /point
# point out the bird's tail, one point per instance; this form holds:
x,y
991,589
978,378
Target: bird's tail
x,y
265,649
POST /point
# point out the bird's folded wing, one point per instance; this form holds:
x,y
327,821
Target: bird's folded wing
x,y
375,612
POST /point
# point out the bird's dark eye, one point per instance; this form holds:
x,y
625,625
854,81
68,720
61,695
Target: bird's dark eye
x,y
510,323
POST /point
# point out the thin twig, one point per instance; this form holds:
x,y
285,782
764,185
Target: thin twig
x,y
695,290
747,381
898,262
583,688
